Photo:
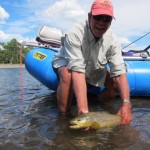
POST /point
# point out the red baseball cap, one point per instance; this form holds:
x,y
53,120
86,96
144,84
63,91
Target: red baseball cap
x,y
102,7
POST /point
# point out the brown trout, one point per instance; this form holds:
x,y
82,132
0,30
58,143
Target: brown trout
x,y
95,120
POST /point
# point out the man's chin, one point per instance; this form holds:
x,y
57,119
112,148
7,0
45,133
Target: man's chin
x,y
100,34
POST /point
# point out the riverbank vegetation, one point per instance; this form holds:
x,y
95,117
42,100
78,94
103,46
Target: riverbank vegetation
x,y
10,52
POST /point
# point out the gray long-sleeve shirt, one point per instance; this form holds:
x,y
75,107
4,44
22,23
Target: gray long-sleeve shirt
x,y
80,52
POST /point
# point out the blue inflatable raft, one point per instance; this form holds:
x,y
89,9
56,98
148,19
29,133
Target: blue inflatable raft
x,y
38,64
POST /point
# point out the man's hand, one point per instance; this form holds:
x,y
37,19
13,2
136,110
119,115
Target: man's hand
x,y
125,113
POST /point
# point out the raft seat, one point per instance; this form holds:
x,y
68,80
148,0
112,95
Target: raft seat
x,y
50,35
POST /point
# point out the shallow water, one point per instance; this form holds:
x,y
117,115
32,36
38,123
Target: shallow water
x,y
30,120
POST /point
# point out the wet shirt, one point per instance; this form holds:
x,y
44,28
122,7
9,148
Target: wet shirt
x,y
82,53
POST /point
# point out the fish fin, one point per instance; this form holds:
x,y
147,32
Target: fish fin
x,y
95,125
108,130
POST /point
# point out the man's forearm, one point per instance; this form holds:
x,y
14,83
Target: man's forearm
x,y
123,87
125,109
80,90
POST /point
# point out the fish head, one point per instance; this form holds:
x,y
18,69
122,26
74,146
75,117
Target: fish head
x,y
81,121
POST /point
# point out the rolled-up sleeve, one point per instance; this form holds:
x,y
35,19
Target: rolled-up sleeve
x,y
115,59
73,52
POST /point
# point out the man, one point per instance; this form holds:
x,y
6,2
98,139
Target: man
x,y
82,60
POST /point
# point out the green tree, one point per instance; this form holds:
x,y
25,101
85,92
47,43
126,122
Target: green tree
x,y
11,52
12,49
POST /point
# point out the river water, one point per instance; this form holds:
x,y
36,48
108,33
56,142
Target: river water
x,y
30,120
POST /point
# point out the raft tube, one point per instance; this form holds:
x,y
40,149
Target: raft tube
x,y
38,64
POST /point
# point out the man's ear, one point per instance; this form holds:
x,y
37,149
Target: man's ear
x,y
89,15
109,25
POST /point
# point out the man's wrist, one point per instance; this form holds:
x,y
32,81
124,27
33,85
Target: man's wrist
x,y
126,101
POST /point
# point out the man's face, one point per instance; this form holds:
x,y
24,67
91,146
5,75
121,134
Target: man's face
x,y
99,24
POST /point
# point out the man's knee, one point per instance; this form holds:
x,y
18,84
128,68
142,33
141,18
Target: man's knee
x,y
110,83
64,75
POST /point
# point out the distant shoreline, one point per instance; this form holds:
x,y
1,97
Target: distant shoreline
x,y
11,65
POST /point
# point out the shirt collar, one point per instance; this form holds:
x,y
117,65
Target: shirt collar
x,y
90,35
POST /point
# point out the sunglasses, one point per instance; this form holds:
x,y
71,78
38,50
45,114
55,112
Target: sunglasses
x,y
106,19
